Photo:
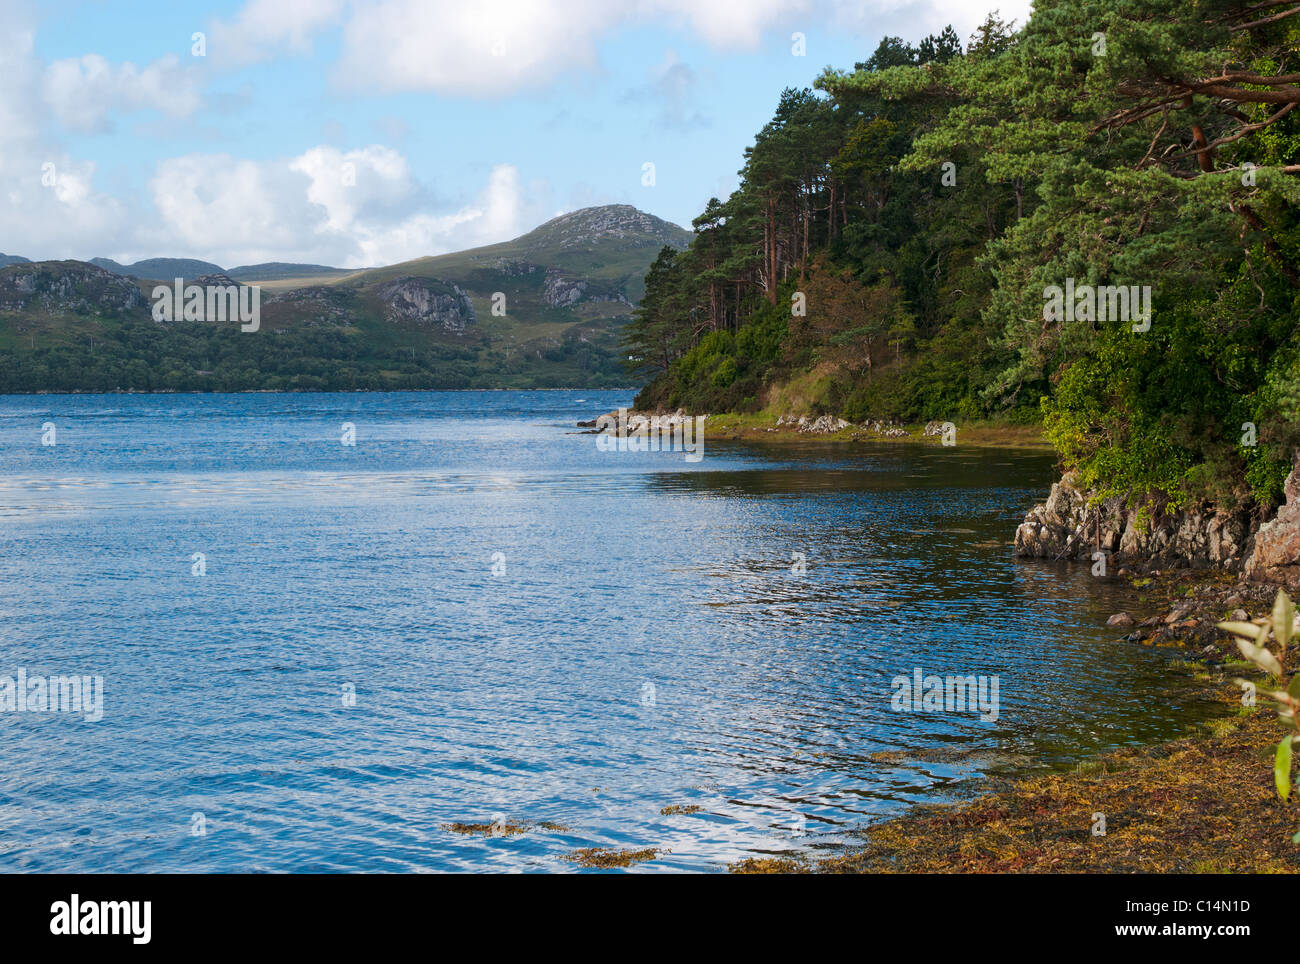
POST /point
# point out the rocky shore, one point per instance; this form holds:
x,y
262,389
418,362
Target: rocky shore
x,y
832,428
1145,538
1202,804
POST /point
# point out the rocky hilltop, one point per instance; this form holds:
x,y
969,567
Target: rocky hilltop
x,y
591,226
66,286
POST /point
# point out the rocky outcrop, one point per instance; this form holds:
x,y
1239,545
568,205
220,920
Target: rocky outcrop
x,y
73,287
561,292
1066,526
1276,555
427,301
824,425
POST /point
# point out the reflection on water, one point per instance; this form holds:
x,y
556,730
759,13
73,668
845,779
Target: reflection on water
x,y
768,595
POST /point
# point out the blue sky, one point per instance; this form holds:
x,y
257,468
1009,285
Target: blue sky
x,y
359,132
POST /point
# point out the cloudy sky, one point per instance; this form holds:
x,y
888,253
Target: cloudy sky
x,y
373,131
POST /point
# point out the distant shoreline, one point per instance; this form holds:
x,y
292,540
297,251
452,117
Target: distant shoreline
x,y
764,429
308,391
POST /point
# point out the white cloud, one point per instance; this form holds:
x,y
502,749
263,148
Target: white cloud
x,y
263,27
672,90
84,91
351,209
494,47
485,48
727,23
47,198
912,19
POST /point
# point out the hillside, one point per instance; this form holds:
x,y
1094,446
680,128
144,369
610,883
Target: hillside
x,y
168,269
569,286
906,232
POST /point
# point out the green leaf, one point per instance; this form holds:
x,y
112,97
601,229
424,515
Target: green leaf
x,y
1282,768
1283,617
1248,630
1260,657
1296,839
1294,689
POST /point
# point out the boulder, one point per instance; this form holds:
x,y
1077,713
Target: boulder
x,y
1071,526
1277,542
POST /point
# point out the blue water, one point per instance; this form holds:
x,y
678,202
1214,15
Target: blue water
x,y
520,694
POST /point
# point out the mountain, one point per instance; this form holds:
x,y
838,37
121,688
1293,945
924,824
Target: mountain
x,y
159,269
608,248
7,259
276,270
543,310
168,269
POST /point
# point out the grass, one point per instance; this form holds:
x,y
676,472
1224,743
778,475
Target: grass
x,y
762,427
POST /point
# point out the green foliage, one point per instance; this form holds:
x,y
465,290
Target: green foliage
x,y
1252,640
929,199
142,356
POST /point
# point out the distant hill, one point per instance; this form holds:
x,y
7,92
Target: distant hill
x,y
160,269
6,259
167,269
609,247
542,311
276,270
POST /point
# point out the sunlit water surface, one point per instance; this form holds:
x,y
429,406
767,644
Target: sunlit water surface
x,y
644,641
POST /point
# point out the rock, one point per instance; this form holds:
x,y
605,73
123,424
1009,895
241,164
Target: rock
x,y
824,425
428,301
886,430
67,286
561,292
1240,616
1277,542
1067,526
1122,620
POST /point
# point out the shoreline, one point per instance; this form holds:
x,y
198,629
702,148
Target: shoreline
x,y
1202,803
731,427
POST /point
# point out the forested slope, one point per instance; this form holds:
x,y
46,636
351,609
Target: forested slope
x,y
900,228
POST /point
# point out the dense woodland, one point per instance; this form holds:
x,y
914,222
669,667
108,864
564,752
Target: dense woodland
x,y
136,354
923,203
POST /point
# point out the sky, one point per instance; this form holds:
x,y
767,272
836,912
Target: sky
x,y
374,131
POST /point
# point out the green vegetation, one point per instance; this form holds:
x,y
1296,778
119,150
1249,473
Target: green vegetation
x,y
132,354
1252,640
890,251
568,288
